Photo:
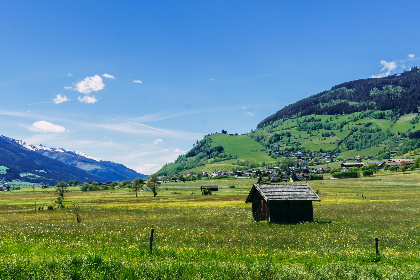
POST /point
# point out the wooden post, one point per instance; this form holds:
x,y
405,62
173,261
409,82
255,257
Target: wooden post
x,y
376,245
151,239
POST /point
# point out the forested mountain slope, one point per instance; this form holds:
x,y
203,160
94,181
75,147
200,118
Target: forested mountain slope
x,y
399,93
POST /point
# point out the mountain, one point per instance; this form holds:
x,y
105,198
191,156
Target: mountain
x,y
373,118
18,162
40,164
105,169
399,93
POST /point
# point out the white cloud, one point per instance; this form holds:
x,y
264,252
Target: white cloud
x,y
211,79
397,66
108,76
388,67
157,141
90,84
147,168
88,99
44,126
69,74
249,113
67,88
137,82
60,99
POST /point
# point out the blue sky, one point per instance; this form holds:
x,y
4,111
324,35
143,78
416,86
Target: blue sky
x,y
138,82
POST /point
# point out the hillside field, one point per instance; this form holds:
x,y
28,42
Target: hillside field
x,y
213,237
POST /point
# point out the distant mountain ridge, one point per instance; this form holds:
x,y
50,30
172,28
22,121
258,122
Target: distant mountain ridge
x,y
18,162
24,161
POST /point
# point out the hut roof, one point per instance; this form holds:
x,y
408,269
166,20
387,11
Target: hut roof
x,y
284,192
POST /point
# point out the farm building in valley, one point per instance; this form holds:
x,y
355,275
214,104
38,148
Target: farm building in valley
x,y
212,188
283,203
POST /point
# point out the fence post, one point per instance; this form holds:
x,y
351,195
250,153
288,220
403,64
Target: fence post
x,y
151,240
377,245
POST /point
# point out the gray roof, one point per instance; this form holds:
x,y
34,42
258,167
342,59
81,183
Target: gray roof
x,y
284,192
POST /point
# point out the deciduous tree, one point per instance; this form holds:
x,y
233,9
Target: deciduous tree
x,y
153,184
137,184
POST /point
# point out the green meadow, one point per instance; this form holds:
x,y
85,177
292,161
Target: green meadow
x,y
213,237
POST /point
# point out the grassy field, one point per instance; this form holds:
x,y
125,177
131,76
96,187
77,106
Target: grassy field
x,y
213,237
241,146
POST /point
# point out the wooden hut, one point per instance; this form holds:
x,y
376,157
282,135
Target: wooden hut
x,y
212,188
283,203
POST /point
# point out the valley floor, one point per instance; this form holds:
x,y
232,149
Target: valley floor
x,y
213,237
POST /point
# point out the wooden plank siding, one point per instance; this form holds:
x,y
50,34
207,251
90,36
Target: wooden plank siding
x,y
260,211
283,203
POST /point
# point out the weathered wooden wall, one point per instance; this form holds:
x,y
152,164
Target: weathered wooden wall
x,y
290,211
260,211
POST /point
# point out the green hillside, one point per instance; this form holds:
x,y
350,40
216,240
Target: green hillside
x,y
241,146
366,135
220,152
363,119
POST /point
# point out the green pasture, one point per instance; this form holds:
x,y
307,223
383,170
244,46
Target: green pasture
x,y
241,146
362,153
213,237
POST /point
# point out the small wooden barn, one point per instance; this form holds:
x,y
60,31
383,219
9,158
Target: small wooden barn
x,y
212,188
282,203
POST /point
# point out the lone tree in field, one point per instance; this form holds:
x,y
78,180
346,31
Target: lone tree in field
x,y
153,184
61,188
137,184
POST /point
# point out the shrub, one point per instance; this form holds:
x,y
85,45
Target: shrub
x,y
345,174
206,191
316,177
232,186
367,173
50,207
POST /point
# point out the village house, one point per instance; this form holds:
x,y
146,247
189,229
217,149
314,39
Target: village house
x,y
347,165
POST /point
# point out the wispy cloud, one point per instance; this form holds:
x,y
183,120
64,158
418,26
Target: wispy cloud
x,y
60,99
108,76
119,126
411,55
157,141
90,84
151,127
157,159
247,112
137,82
170,115
69,74
44,126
